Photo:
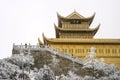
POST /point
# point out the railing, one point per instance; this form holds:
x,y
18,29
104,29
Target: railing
x,y
26,47
51,49
64,55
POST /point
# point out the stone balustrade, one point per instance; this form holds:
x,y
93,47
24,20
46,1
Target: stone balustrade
x,y
26,47
64,55
51,49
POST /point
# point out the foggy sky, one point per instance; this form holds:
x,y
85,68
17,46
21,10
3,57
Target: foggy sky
x,y
23,21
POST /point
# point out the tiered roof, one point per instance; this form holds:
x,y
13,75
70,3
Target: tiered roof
x,y
80,22
74,15
91,30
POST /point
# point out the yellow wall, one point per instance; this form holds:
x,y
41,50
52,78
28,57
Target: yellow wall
x,y
110,52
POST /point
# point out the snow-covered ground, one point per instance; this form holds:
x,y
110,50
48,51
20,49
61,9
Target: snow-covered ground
x,y
19,67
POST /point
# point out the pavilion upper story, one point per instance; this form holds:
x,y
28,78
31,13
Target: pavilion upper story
x,y
75,26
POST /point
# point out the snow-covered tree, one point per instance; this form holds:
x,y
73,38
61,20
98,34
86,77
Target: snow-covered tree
x,y
44,73
21,60
13,66
7,70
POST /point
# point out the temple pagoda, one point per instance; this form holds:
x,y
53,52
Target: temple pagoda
x,y
75,26
75,37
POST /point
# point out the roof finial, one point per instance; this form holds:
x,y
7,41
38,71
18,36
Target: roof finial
x,y
74,10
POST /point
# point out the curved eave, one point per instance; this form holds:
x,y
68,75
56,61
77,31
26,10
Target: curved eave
x,y
96,29
82,41
46,41
91,18
40,42
58,29
61,18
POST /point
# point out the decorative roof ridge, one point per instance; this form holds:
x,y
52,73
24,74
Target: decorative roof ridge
x,y
75,12
59,16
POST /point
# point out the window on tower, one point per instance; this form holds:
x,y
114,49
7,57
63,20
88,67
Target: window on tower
x,y
75,21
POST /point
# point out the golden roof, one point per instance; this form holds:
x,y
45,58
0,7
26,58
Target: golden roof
x,y
75,15
87,31
76,30
40,42
66,40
